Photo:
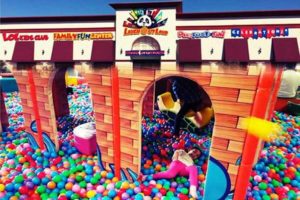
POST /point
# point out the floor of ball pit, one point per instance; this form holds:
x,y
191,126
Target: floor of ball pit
x,y
27,173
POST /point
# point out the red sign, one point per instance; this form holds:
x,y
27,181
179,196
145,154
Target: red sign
x,y
23,37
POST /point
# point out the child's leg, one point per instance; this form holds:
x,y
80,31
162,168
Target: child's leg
x,y
174,169
193,175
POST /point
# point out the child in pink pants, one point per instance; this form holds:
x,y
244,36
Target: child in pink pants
x,y
182,165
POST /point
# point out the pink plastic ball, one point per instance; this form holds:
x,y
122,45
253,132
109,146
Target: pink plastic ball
x,y
76,188
257,178
125,196
10,162
110,186
100,188
137,190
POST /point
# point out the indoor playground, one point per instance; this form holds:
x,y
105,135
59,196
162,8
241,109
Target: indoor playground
x,y
149,103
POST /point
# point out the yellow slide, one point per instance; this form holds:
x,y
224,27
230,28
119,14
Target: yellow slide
x,y
71,80
261,128
166,103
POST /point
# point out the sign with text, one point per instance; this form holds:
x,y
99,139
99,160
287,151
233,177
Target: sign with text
x,y
83,36
259,32
145,22
145,53
24,37
202,34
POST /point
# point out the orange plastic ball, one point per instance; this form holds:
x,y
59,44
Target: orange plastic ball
x,y
69,186
51,185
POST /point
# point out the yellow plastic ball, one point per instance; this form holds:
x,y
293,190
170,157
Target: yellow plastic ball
x,y
2,187
90,194
125,185
115,179
103,174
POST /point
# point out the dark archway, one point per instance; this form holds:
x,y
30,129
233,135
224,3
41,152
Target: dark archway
x,y
158,141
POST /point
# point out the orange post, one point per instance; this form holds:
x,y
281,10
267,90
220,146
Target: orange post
x,y
261,103
275,92
116,120
35,108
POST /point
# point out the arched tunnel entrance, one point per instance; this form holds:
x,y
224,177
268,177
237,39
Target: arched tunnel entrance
x,y
158,120
72,103
11,110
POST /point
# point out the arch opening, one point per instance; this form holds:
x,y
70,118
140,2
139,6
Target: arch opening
x,y
12,117
158,140
72,102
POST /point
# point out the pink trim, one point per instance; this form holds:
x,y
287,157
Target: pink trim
x,y
23,52
103,51
89,18
62,51
285,50
236,50
112,29
224,27
239,14
166,4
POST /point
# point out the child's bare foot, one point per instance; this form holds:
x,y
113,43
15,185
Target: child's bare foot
x,y
193,192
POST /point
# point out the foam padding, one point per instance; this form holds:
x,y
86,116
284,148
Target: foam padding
x,y
8,85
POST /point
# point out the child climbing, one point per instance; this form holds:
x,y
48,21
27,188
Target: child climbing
x,y
182,165
191,97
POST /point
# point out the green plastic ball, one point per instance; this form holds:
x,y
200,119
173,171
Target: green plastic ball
x,y
184,191
19,179
41,189
262,186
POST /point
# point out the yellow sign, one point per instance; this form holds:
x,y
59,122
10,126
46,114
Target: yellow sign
x,y
83,36
144,31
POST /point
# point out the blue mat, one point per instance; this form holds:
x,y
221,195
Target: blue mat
x,y
8,85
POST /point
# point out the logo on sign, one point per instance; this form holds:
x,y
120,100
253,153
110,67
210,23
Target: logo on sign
x,y
24,37
82,36
259,32
145,53
203,34
145,22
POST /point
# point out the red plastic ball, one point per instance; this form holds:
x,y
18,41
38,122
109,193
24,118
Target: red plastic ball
x,y
183,197
147,191
23,190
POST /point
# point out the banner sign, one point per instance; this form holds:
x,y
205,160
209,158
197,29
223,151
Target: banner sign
x,y
203,34
259,32
145,22
145,53
83,36
24,37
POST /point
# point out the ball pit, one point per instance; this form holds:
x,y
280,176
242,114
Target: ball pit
x,y
14,110
26,173
277,172
157,151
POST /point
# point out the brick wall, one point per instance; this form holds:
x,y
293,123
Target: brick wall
x,y
42,82
231,88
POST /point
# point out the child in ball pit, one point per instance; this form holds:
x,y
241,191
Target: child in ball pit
x,y
182,165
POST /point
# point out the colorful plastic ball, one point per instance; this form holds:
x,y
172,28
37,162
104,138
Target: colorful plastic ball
x,y
41,189
2,187
100,189
109,175
76,188
91,193
112,193
125,185
51,185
